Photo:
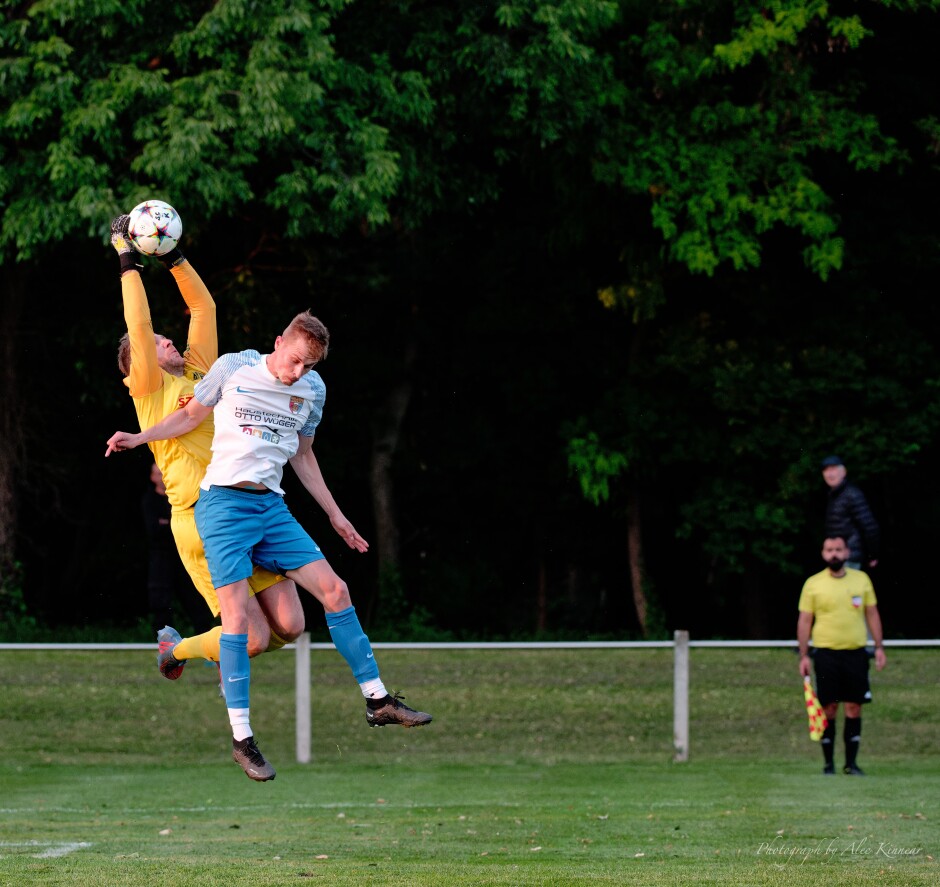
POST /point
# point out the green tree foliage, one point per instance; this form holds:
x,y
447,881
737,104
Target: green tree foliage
x,y
749,111
228,105
711,114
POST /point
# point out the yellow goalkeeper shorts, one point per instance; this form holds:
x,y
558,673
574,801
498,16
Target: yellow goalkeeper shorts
x,y
189,546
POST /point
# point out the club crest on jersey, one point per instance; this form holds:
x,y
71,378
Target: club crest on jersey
x,y
295,404
183,400
856,601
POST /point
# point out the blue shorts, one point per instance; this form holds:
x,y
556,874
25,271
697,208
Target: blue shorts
x,y
240,528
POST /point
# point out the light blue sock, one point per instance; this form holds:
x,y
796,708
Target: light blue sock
x,y
236,669
352,643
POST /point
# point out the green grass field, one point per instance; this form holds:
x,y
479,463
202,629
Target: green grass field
x,y
541,768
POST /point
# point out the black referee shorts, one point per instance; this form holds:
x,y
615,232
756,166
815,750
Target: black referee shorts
x,y
842,676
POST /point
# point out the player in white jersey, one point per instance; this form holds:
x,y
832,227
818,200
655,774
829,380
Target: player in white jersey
x,y
267,408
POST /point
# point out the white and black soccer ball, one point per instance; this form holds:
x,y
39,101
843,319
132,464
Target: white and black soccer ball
x,y
154,228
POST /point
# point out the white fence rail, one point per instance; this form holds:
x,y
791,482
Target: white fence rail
x,y
680,643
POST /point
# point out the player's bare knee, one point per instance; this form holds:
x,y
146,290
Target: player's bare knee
x,y
259,637
293,629
336,597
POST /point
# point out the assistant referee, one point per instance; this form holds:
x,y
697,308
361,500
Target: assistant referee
x,y
835,606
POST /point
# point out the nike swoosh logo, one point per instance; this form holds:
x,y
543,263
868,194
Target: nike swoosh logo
x,y
241,390
232,680
370,655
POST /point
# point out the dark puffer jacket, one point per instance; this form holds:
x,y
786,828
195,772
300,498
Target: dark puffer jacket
x,y
848,515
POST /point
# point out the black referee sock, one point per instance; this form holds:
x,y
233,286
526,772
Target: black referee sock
x,y
853,737
828,742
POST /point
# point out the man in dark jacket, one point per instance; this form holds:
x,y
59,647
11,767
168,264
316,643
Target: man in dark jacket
x,y
848,515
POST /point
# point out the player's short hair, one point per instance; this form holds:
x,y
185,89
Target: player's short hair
x,y
124,355
313,330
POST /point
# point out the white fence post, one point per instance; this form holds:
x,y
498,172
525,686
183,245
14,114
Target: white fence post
x,y
681,696
302,692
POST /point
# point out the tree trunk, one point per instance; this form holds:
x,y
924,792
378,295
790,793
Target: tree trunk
x,y
635,552
541,617
634,520
11,428
755,603
386,431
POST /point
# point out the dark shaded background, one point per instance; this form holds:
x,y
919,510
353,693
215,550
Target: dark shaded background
x,y
726,398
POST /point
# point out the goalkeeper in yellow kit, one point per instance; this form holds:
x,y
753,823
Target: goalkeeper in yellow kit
x,y
161,380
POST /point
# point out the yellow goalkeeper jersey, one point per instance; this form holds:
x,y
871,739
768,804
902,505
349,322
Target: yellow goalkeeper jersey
x,y
156,394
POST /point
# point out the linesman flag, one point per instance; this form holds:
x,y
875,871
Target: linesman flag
x,y
814,711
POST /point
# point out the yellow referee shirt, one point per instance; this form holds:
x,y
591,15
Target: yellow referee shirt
x,y
838,606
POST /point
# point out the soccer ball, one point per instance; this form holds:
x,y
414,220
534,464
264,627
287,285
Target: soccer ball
x,y
154,228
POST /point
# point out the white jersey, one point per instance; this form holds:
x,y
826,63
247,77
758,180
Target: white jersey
x,y
258,419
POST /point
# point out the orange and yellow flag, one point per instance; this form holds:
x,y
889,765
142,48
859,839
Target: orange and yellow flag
x,y
817,717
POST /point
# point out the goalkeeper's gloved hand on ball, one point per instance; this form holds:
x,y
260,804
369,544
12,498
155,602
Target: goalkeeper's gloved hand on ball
x,y
125,249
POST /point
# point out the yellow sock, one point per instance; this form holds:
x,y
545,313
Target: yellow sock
x,y
200,646
276,643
